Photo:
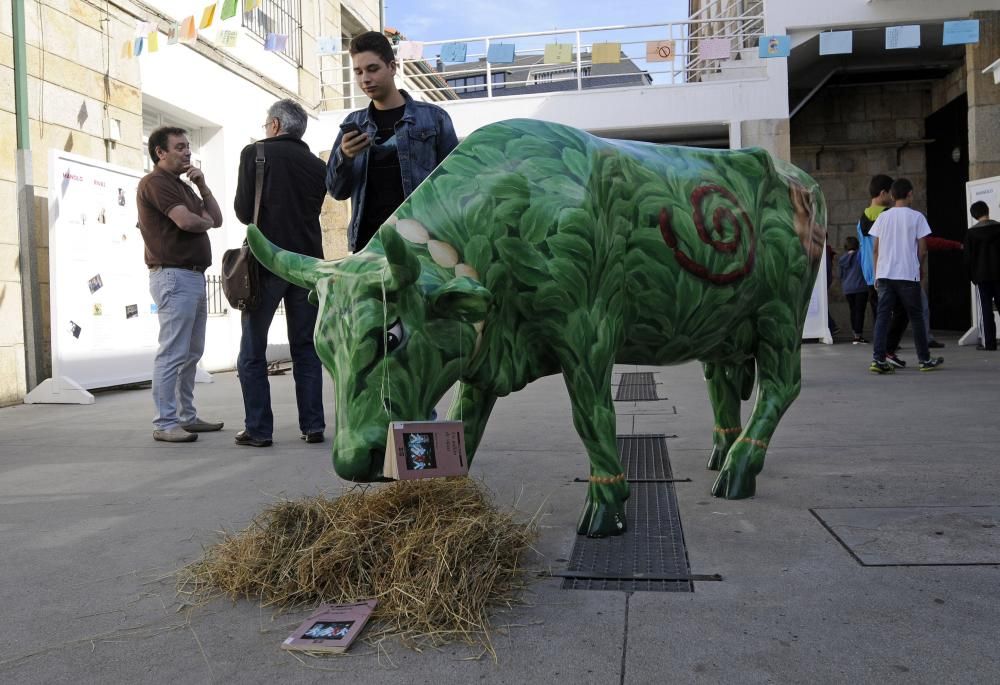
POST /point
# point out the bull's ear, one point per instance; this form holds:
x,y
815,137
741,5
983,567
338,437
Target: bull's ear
x,y
462,299
404,267
295,268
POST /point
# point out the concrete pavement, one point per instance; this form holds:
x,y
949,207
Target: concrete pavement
x,y
94,517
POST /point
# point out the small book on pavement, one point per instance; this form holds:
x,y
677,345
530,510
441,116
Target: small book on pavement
x,y
331,628
425,449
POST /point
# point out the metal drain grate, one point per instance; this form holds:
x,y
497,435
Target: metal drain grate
x,y
652,546
636,387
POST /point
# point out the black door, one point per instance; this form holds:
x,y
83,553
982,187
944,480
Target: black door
x,y
947,174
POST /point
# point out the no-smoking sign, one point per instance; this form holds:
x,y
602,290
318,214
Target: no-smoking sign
x,y
660,51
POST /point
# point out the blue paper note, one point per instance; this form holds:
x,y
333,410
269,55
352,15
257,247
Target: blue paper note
x,y
327,46
961,32
775,46
454,52
276,42
501,53
138,45
836,43
898,37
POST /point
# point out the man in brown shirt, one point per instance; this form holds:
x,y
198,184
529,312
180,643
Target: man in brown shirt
x,y
174,223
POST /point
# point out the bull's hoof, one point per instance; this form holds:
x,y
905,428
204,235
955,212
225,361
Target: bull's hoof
x,y
599,520
734,484
717,459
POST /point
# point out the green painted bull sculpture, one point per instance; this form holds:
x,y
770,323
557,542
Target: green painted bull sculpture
x,y
535,249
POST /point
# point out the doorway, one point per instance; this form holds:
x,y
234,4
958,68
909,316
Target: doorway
x,y
947,174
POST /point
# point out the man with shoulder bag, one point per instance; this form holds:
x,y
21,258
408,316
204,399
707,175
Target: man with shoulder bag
x,y
285,205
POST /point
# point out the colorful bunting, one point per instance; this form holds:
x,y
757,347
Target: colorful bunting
x,y
229,9
899,37
500,53
454,52
326,46
207,16
153,42
189,34
714,48
660,51
836,42
410,49
276,42
774,46
558,53
606,53
227,39
961,32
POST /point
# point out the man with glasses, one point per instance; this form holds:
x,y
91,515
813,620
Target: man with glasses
x,y
291,198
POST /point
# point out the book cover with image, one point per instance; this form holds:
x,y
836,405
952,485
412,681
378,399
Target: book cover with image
x,y
331,628
425,449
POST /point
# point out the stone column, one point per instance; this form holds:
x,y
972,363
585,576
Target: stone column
x,y
984,98
774,135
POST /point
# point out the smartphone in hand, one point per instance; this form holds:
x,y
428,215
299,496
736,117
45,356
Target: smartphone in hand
x,y
350,126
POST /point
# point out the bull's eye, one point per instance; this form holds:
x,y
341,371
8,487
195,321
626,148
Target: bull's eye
x,y
394,336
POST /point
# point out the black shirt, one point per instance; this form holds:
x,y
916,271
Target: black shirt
x,y
384,187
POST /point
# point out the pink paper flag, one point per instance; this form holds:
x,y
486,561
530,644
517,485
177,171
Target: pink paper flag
x,y
714,48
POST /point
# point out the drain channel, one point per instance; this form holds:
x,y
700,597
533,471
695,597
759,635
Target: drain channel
x,y
636,387
650,556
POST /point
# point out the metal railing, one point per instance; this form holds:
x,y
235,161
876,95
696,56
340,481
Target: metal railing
x,y
282,17
217,303
527,74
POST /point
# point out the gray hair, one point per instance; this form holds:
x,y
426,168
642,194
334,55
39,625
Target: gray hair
x,y
292,117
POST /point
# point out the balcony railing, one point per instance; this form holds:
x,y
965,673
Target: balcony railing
x,y
478,77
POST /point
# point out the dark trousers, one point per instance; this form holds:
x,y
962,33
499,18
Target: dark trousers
x,y
989,293
907,294
898,321
306,369
856,302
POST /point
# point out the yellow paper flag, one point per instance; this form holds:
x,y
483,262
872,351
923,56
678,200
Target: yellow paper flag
x,y
606,53
189,34
207,17
558,53
127,50
153,44
250,5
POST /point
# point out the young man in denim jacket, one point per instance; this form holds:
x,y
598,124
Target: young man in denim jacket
x,y
384,151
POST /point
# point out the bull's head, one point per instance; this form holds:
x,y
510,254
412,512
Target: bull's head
x,y
395,330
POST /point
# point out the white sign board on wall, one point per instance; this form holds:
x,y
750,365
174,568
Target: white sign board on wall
x,y
983,190
103,321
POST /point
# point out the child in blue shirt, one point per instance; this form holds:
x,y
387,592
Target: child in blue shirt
x,y
854,285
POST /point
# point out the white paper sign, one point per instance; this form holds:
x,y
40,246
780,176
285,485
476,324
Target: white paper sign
x,y
410,49
714,48
898,37
836,43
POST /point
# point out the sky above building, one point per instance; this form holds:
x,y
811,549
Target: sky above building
x,y
429,20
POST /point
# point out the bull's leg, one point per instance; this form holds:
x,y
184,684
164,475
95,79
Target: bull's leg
x,y
589,385
780,378
725,390
472,406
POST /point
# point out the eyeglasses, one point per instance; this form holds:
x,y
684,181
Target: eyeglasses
x,y
266,124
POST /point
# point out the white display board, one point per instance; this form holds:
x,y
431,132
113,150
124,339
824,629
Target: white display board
x,y
103,320
817,324
985,190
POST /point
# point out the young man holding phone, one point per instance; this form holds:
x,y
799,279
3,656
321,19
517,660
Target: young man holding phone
x,y
386,150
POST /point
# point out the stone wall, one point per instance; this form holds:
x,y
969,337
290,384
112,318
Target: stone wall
x,y
984,99
848,134
76,84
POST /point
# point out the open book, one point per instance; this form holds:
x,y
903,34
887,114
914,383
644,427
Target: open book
x,y
425,449
331,628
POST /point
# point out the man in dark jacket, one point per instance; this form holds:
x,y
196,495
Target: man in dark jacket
x,y
982,259
291,198
387,149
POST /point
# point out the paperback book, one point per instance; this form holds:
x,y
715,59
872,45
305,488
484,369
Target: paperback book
x,y
332,628
425,449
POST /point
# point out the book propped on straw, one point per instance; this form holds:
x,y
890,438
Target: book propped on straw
x,y
425,449
331,628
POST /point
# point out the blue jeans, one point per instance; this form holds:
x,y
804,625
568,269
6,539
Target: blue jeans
x,y
182,310
300,316
908,294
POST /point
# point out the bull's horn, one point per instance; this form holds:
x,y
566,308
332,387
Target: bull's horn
x,y
295,268
403,264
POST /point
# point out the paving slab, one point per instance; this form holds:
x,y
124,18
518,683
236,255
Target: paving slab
x,y
95,517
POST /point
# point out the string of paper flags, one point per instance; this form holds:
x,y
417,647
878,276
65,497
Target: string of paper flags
x,y
147,35
959,32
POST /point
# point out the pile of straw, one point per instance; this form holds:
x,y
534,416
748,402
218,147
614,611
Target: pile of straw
x,y
435,553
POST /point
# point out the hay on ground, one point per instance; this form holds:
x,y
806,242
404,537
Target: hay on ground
x,y
435,553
